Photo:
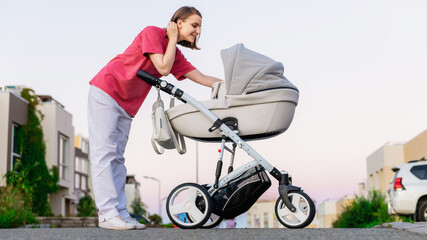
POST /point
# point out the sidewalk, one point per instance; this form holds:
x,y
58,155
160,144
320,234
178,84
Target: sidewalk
x,y
418,227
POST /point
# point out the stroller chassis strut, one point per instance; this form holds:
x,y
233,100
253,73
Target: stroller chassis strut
x,y
282,176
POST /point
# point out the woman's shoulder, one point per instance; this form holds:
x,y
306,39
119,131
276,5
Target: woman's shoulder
x,y
155,30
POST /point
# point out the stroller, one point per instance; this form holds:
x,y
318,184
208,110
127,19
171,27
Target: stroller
x,y
255,102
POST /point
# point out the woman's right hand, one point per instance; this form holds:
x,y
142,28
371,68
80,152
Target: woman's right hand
x,y
172,31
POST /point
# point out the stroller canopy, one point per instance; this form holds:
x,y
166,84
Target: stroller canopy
x,y
247,71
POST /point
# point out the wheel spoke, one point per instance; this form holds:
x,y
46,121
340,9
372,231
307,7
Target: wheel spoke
x,y
299,215
177,208
196,214
283,212
192,194
296,199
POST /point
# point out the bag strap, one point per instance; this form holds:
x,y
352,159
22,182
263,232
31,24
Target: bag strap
x,y
159,150
177,138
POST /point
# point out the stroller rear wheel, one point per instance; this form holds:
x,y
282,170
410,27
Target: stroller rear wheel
x,y
303,215
189,206
213,221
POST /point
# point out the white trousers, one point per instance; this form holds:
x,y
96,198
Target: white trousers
x,y
109,127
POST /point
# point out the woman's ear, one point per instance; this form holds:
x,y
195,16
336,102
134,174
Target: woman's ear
x,y
179,23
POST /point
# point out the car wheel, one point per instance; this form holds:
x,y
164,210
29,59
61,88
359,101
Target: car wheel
x,y
422,212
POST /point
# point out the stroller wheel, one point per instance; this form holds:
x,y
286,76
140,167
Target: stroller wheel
x,y
303,215
189,206
213,221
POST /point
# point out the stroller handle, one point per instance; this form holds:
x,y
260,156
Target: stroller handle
x,y
148,78
161,84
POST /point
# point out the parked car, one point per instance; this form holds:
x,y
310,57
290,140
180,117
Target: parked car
x,y
408,190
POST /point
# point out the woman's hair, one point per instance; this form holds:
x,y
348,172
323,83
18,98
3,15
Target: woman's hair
x,y
183,13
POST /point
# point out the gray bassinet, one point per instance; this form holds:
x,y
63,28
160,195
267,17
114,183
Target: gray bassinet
x,y
255,93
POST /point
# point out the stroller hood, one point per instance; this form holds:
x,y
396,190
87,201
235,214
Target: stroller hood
x,y
247,71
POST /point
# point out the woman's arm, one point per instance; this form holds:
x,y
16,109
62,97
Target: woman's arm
x,y
164,62
200,78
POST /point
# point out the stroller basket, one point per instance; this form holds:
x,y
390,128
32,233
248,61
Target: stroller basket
x,y
241,193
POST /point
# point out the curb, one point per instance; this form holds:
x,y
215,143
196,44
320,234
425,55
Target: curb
x,y
417,227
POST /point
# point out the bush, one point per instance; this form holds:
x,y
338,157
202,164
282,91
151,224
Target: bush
x,y
168,225
13,212
365,212
155,219
86,207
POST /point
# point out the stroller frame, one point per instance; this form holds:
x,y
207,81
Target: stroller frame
x,y
285,183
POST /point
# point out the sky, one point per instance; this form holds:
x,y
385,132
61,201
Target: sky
x,y
359,66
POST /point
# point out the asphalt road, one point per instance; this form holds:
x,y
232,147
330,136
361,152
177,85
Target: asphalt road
x,y
222,234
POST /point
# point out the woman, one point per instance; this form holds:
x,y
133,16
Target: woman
x,y
115,96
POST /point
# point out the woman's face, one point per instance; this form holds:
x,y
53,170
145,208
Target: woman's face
x,y
189,28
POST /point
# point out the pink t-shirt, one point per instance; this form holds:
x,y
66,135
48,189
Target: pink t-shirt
x,y
118,78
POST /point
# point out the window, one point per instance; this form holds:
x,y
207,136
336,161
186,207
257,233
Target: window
x,y
84,180
78,165
77,181
257,223
63,157
265,220
420,171
16,148
85,146
85,166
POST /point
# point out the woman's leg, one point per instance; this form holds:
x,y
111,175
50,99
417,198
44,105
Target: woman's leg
x,y
118,166
103,116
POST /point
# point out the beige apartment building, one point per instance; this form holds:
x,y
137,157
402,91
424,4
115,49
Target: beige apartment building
x,y
58,133
329,210
380,163
262,215
82,173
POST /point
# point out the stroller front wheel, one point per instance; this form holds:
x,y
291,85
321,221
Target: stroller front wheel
x,y
189,206
303,215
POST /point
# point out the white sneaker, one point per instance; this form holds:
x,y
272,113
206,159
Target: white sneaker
x,y
131,220
116,223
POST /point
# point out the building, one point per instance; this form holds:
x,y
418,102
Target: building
x,y
416,148
329,210
327,213
14,113
131,190
82,176
58,133
262,215
380,163
379,174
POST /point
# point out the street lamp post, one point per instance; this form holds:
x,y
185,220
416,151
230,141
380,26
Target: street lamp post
x,y
159,203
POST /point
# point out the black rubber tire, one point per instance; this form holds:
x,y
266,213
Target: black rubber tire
x,y
310,215
207,206
422,212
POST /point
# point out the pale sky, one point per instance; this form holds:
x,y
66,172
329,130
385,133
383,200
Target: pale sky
x,y
359,66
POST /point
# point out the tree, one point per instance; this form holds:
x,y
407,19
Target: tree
x,y
138,207
365,212
30,173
